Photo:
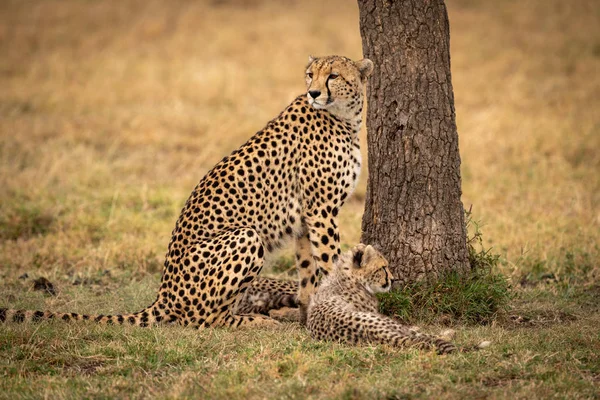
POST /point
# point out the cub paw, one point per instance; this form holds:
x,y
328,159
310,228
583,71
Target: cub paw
x,y
264,322
448,334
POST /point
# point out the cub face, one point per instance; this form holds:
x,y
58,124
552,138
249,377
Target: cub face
x,y
336,83
370,268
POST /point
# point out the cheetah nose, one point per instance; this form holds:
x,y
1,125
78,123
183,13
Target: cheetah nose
x,y
314,93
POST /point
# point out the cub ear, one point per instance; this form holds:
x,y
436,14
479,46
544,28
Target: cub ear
x,y
369,255
357,255
365,67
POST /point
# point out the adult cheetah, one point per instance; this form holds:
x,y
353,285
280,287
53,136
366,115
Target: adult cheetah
x,y
288,181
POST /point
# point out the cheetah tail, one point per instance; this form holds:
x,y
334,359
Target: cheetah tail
x,y
148,316
444,346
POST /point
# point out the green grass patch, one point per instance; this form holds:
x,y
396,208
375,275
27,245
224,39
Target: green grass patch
x,y
473,298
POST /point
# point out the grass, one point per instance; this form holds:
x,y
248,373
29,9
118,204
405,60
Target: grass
x,y
111,112
475,299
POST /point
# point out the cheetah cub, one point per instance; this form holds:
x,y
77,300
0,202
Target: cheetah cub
x,y
345,308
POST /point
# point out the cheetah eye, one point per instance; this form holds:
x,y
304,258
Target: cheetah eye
x,y
309,75
333,75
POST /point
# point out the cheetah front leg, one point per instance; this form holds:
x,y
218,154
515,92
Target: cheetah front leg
x,y
307,274
316,251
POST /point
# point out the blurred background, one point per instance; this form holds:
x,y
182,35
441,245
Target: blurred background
x,y
110,112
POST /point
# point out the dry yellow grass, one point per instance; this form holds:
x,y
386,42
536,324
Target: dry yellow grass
x,y
110,112
527,88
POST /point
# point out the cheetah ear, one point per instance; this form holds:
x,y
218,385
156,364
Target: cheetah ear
x,y
311,59
365,67
369,255
358,253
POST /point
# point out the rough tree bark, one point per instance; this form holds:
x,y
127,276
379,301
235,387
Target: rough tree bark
x,y
413,209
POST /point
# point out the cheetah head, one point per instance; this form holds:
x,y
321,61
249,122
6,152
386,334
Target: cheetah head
x,y
370,268
336,84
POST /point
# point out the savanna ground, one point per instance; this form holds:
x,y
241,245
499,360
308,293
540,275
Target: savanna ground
x,y
110,112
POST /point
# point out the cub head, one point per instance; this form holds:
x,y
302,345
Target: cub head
x,y
370,268
336,84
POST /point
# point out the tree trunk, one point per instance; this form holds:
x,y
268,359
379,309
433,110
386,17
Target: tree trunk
x,y
413,210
